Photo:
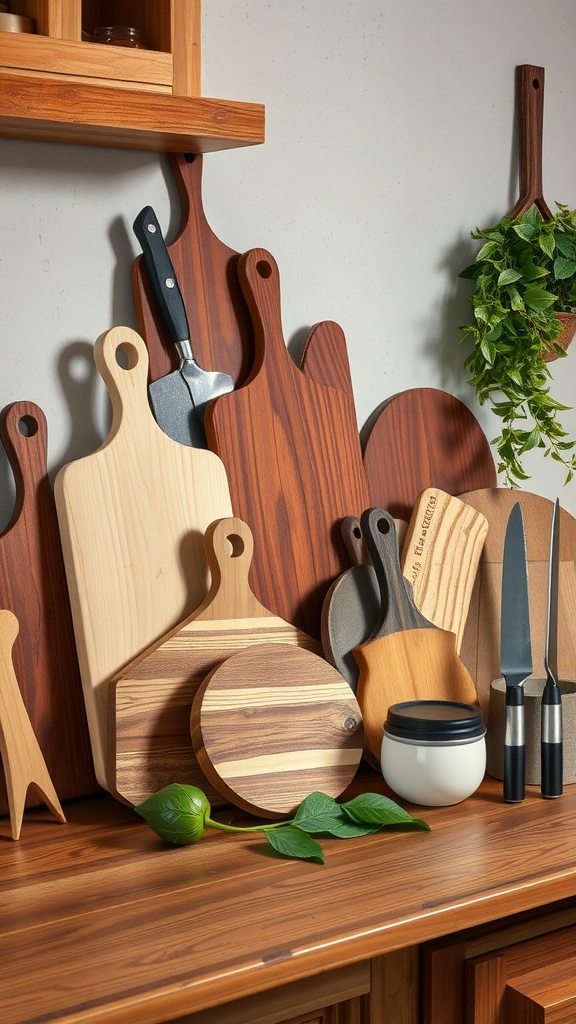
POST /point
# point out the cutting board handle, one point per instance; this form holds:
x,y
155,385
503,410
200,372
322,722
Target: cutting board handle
x,y
126,380
530,86
398,609
229,548
260,282
24,435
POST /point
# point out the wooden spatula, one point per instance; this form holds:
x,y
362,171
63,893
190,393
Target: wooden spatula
x,y
272,724
440,557
407,657
150,703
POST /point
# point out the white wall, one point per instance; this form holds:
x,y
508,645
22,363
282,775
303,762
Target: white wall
x,y
390,135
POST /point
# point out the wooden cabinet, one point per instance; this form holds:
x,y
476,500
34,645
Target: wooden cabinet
x,y
525,972
57,85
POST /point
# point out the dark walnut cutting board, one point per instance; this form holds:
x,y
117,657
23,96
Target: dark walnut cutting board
x,y
292,454
220,327
33,587
150,703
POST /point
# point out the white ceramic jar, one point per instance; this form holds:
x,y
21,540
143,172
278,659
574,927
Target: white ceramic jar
x,y
433,751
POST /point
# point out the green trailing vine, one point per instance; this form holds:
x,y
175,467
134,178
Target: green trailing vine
x,y
525,274
180,814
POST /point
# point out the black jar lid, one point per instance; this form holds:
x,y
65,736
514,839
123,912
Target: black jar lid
x,y
434,720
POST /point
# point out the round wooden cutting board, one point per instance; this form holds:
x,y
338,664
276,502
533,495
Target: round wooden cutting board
x,y
274,723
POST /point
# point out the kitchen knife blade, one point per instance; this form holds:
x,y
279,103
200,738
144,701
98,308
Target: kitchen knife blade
x,y
179,399
551,713
515,651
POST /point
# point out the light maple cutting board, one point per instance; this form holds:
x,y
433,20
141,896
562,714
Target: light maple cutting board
x,y
292,453
481,642
150,704
33,587
132,517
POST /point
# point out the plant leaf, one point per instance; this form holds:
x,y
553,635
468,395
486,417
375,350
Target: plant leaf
x,y
564,268
317,813
293,842
177,813
373,808
538,298
508,277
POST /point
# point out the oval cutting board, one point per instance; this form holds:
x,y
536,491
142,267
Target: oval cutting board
x,y
274,723
132,517
424,438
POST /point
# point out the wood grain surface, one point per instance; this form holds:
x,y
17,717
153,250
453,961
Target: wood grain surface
x,y
153,931
292,454
132,517
406,657
274,723
33,586
150,703
22,760
440,557
206,268
481,641
424,438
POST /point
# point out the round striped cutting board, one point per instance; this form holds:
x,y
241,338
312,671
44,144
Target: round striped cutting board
x,y
274,723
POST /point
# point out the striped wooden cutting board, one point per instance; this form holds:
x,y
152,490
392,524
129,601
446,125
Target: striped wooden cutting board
x,y
150,702
274,723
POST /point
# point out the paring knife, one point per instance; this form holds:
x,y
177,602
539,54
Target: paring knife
x,y
179,399
551,713
515,652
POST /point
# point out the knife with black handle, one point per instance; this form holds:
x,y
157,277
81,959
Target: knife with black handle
x,y
515,652
551,711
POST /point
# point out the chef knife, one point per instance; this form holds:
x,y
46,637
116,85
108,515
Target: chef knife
x,y
551,713
179,399
515,651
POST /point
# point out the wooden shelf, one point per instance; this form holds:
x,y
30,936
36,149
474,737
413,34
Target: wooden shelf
x,y
56,87
44,109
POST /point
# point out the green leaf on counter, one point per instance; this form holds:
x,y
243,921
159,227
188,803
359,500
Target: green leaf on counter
x,y
373,808
293,842
177,813
321,814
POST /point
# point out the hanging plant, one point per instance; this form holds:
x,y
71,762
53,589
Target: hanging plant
x,y
525,275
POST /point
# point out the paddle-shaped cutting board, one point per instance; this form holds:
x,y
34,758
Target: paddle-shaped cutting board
x,y
440,557
33,587
274,723
220,327
424,438
292,454
481,642
151,702
132,516
407,657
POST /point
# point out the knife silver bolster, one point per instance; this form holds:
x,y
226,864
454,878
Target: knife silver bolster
x,y
184,349
514,731
551,723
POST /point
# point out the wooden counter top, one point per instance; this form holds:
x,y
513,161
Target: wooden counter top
x,y
102,922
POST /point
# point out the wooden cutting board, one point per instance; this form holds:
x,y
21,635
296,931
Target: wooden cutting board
x,y
132,516
407,657
440,557
274,723
424,438
33,587
151,702
481,642
292,454
220,326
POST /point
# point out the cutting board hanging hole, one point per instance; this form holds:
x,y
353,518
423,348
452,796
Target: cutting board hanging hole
x,y
126,356
264,269
28,426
